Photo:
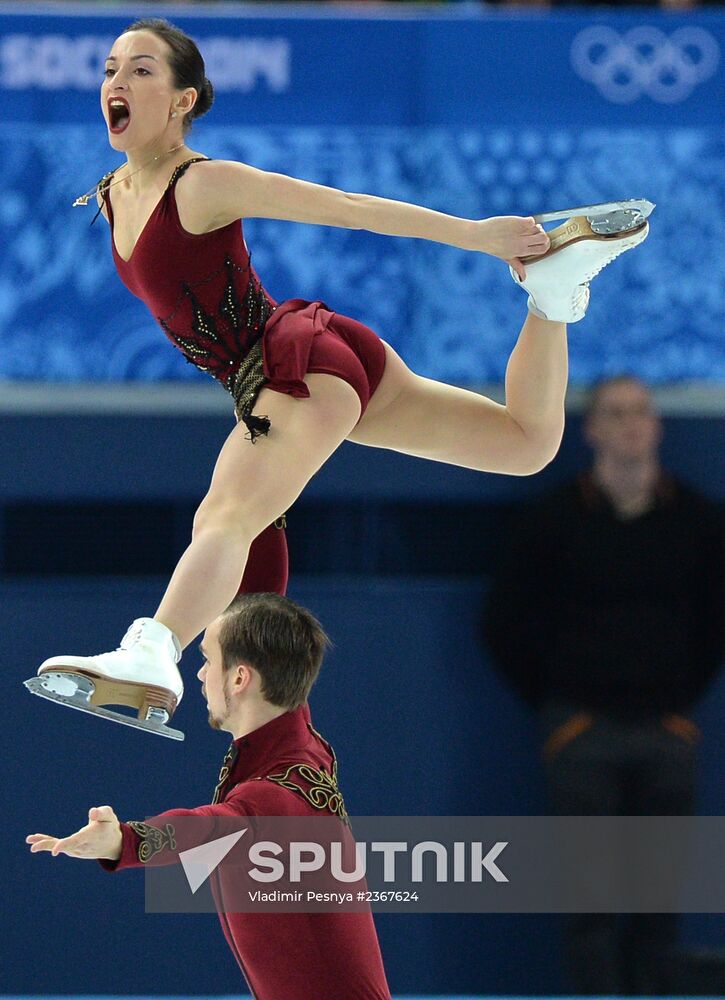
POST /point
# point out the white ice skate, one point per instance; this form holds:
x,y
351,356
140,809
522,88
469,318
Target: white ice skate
x,y
141,673
593,236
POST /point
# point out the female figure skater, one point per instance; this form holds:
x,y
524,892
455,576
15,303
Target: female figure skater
x,y
304,379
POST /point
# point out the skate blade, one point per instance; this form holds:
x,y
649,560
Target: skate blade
x,y
80,699
608,218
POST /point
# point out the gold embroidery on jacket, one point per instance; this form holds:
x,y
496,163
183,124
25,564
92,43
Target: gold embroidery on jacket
x,y
323,792
224,772
153,840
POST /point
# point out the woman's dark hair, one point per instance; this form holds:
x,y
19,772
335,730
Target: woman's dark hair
x,y
186,62
284,642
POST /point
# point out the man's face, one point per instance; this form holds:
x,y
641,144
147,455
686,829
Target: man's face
x,y
624,425
214,679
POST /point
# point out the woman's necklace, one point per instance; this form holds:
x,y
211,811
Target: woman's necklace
x,y
85,198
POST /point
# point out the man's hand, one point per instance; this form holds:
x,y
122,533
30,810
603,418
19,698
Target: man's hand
x,y
101,838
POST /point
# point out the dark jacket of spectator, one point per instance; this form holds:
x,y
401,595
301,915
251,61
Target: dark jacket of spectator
x,y
621,615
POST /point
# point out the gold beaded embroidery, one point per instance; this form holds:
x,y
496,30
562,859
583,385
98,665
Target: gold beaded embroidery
x,y
245,389
224,772
322,793
245,322
211,351
230,308
153,840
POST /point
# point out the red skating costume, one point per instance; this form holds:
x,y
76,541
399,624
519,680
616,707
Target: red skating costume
x,y
283,956
209,301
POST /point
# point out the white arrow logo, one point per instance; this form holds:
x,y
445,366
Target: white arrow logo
x,y
200,862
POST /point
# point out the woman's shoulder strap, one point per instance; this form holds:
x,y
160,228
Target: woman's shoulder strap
x,y
183,167
105,182
102,189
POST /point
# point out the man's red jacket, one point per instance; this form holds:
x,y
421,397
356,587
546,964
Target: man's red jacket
x,y
283,956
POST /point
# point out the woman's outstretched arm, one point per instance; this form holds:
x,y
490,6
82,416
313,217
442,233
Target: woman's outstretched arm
x,y
225,191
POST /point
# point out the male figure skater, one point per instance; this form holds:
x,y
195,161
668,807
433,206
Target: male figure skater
x,y
262,656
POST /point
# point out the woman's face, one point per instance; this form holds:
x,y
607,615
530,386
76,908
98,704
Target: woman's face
x,y
138,95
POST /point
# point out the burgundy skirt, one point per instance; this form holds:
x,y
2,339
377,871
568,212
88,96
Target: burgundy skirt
x,y
302,337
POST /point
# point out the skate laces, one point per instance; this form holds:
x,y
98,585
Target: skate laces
x,y
603,264
584,285
616,251
143,626
132,636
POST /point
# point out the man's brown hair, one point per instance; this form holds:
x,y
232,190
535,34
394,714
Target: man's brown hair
x,y
284,642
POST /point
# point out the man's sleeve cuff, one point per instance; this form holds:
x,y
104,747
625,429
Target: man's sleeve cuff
x,y
129,851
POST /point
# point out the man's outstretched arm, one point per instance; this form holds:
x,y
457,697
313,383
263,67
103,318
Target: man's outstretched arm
x,y
128,845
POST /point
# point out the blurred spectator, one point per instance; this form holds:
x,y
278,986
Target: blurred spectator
x,y
606,616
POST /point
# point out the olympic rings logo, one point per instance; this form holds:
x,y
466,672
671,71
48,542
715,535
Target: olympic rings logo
x,y
645,61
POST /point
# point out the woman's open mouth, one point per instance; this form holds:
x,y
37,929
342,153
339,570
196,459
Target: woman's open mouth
x,y
119,115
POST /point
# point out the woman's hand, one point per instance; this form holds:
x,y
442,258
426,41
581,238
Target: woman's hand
x,y
510,237
101,838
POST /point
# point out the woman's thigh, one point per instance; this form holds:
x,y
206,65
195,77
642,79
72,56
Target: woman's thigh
x,y
419,416
259,482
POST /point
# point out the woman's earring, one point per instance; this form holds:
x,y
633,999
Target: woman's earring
x,y
173,114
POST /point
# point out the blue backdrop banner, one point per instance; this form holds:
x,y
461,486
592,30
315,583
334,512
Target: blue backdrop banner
x,y
470,113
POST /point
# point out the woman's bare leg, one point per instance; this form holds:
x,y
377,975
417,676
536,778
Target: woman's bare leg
x,y
252,485
536,378
429,419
